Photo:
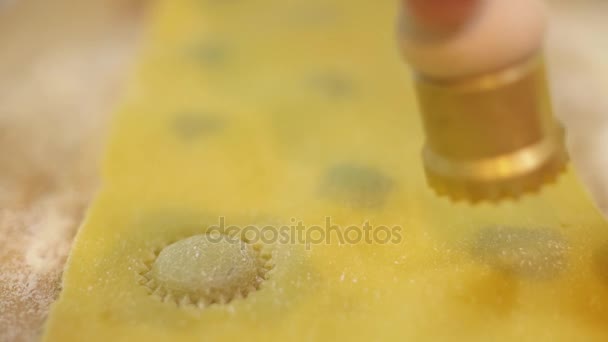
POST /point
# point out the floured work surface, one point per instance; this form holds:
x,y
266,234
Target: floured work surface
x,y
62,68
274,113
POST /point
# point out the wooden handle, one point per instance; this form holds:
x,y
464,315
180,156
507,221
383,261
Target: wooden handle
x,y
440,15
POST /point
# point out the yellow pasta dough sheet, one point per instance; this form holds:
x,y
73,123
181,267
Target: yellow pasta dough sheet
x,y
262,181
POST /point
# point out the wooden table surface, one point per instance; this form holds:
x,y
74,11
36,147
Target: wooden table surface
x,y
62,64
